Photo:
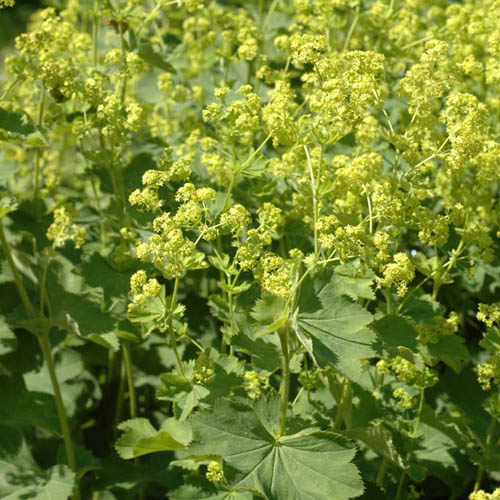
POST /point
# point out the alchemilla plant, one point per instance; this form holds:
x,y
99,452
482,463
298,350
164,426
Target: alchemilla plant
x,y
250,250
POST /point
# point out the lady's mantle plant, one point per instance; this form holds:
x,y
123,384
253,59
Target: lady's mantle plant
x,y
249,250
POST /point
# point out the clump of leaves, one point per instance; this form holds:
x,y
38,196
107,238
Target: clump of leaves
x,y
250,251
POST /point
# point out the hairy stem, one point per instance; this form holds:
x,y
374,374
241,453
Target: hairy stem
x,y
173,340
38,158
43,340
285,379
414,432
381,472
339,417
315,201
127,359
489,438
17,277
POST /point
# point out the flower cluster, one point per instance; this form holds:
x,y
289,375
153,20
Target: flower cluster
x,y
482,495
408,372
398,273
64,229
254,384
142,289
215,473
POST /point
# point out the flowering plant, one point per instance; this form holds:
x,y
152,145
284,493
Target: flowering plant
x,y
250,250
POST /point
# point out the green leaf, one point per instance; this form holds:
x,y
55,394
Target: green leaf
x,y
141,438
148,54
336,325
19,123
98,273
7,168
22,478
450,350
268,308
69,366
254,168
20,408
379,439
354,282
153,314
396,332
491,340
308,465
71,305
190,492
56,483
8,341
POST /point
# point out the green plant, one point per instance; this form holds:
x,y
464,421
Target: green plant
x,y
248,249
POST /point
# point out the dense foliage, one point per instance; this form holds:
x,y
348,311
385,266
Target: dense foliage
x,y
250,250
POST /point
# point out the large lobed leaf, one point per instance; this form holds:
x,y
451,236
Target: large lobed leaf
x,y
336,325
308,465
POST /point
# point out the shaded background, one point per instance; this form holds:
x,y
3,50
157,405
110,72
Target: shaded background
x,y
13,19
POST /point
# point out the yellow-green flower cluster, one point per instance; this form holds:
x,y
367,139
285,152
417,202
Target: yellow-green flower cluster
x,y
465,118
254,384
168,249
489,372
272,269
63,228
404,400
489,314
482,495
215,473
275,275
116,119
142,289
398,273
235,219
203,369
340,90
278,114
431,333
408,372
237,120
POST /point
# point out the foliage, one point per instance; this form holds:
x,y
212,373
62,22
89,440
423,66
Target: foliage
x,y
250,250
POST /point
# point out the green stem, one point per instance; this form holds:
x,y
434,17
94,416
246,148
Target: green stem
x,y
99,209
110,366
173,340
95,36
480,469
43,290
381,472
400,485
17,277
315,201
388,300
229,190
339,417
351,31
285,379
414,432
125,77
119,397
419,412
43,340
9,88
130,380
38,158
